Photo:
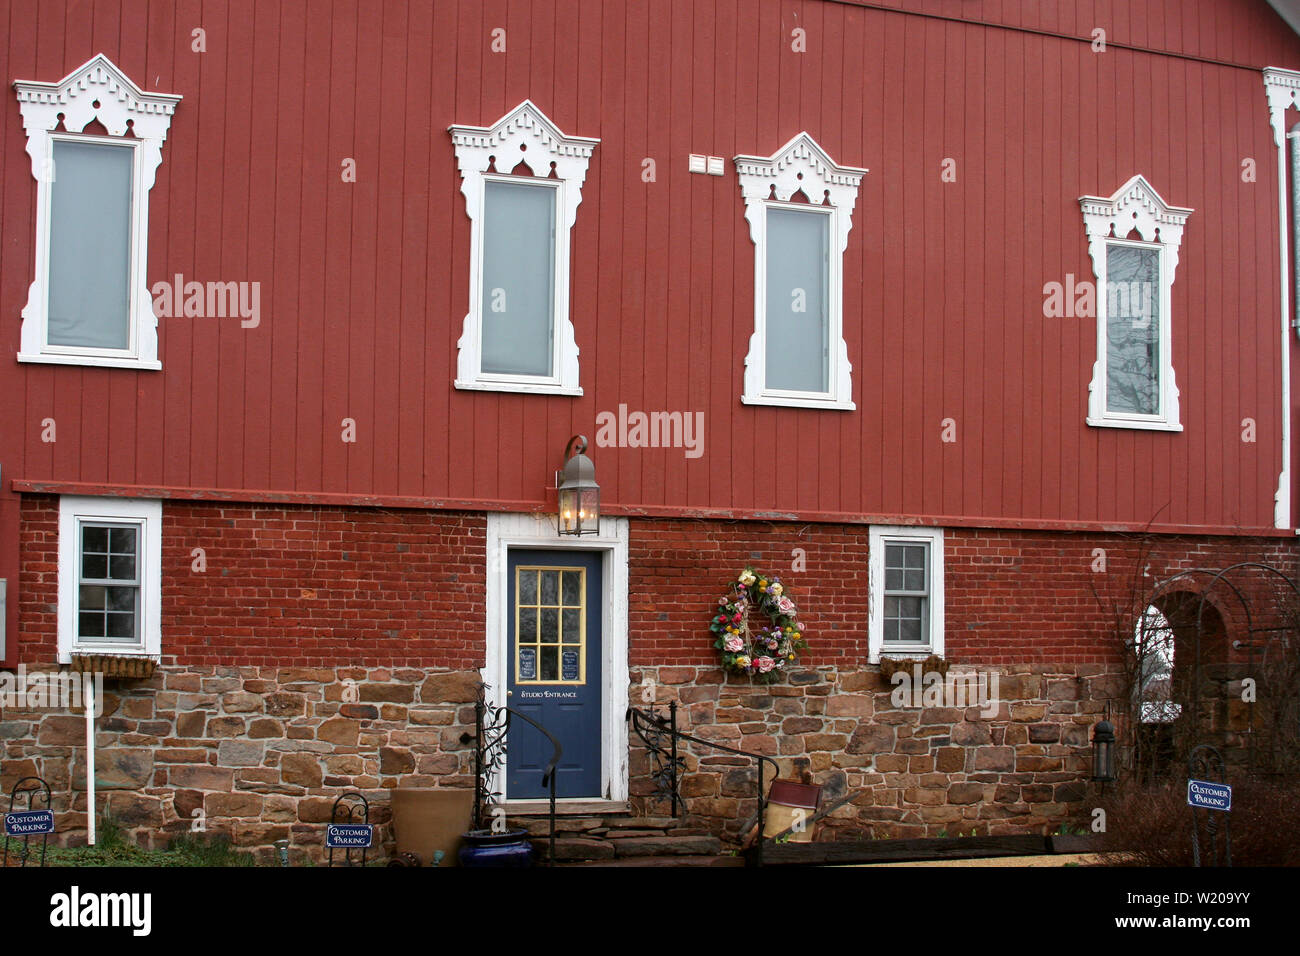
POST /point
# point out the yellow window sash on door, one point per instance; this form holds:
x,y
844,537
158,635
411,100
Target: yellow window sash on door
x,y
564,640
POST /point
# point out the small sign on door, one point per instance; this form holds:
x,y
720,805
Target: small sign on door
x,y
527,663
569,665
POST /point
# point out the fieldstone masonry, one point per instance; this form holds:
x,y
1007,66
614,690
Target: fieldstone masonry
x,y
260,753
909,772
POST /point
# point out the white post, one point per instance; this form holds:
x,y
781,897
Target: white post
x,y
88,699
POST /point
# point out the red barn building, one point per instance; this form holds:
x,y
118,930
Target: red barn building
x,y
955,317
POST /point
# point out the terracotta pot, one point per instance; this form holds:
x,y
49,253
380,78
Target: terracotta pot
x,y
427,819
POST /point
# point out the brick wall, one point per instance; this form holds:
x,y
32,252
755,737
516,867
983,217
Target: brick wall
x,y
291,586
246,719
1011,597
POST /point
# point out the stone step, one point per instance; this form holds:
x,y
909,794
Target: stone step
x,y
572,849
673,861
640,823
668,846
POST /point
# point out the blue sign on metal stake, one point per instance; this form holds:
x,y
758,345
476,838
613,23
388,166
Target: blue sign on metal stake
x,y
29,823
348,836
1206,795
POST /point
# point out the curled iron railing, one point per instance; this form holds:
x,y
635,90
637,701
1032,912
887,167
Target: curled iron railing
x,y
491,733
351,807
654,729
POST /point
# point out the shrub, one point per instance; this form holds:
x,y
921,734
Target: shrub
x,y
1152,824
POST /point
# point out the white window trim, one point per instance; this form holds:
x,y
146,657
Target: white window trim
x,y
120,100
1107,220
74,509
879,536
801,164
525,125
1282,88
507,530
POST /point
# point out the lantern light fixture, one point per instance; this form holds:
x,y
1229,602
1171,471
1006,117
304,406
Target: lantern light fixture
x,y
577,491
1103,751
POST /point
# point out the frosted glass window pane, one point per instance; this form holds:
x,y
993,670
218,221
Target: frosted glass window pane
x,y
1132,330
798,318
518,293
90,245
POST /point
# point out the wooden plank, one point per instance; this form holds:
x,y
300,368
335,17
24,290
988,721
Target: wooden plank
x,y
284,305
886,851
423,139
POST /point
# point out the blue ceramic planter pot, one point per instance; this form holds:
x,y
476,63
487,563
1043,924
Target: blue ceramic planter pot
x,y
485,848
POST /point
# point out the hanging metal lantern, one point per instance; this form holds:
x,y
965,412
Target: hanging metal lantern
x,y
1103,752
578,493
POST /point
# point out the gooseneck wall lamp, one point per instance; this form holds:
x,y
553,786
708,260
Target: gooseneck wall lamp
x,y
578,493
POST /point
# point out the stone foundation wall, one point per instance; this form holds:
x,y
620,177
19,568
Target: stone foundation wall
x,y
1021,767
257,753
260,753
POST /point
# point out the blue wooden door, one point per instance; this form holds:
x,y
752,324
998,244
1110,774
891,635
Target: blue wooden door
x,y
554,653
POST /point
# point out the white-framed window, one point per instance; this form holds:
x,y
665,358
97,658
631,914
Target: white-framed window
x,y
1133,240
89,303
906,591
522,181
799,204
110,577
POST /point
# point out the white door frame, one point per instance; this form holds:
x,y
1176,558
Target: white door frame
x,y
537,532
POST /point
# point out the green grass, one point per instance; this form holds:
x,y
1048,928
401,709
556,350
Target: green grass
x,y
114,848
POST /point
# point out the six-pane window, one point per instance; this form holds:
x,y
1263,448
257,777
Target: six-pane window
x,y
108,589
110,577
907,593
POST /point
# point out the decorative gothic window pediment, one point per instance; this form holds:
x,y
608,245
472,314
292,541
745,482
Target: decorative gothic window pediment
x,y
522,181
1133,241
799,204
89,303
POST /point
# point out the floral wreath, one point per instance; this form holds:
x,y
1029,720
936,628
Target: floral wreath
x,y
764,652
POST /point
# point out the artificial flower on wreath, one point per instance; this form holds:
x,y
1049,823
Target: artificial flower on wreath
x,y
764,651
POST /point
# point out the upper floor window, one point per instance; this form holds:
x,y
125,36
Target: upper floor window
x,y
1133,240
89,303
522,181
799,204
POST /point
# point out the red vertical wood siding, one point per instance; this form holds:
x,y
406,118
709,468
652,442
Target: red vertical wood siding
x,y
364,286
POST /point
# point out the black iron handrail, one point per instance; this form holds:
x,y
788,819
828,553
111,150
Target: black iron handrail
x,y
651,727
491,726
